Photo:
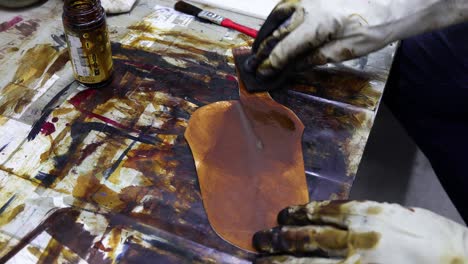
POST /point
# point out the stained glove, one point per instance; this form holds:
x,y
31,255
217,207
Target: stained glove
x,y
117,6
321,31
362,232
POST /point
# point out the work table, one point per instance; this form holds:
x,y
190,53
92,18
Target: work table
x,y
106,175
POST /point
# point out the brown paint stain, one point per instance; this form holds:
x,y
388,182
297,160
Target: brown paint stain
x,y
189,44
77,242
331,239
56,252
61,59
160,167
62,111
249,163
88,187
335,239
114,240
155,163
163,178
374,210
301,239
457,260
34,251
32,66
29,237
332,208
51,252
28,27
367,240
190,40
341,85
12,49
88,150
19,92
162,164
3,120
57,140
8,216
409,209
201,42
4,247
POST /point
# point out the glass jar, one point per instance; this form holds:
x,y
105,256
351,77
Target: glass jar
x,y
88,41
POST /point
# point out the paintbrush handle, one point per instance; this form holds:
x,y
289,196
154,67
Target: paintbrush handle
x,y
206,15
233,25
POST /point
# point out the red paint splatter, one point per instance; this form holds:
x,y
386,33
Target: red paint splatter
x,y
55,119
8,24
47,128
231,78
81,96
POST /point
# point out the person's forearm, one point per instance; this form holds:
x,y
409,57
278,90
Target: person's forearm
x,y
337,30
435,15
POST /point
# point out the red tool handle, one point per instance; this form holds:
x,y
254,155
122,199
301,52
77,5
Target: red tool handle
x,y
233,25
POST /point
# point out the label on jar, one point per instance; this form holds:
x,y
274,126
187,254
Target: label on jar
x,y
90,55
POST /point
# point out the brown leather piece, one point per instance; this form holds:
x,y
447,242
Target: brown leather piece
x,y
248,156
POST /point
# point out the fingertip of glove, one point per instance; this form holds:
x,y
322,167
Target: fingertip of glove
x,y
250,64
259,239
283,216
263,241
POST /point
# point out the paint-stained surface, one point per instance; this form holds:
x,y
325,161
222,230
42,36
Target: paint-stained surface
x,y
104,176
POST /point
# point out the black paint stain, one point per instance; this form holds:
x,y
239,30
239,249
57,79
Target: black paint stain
x,y
60,40
116,164
5,206
4,147
46,179
55,218
82,129
48,108
79,131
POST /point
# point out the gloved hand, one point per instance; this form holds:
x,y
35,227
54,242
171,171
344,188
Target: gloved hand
x,y
117,6
362,232
321,31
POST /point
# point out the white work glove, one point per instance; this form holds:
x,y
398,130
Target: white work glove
x,y
351,232
321,31
117,6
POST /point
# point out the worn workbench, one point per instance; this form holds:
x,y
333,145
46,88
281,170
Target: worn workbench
x,y
106,175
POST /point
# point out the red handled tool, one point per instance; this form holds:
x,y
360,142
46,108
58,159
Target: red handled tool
x,y
187,8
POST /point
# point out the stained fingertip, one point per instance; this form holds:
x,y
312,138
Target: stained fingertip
x,y
296,215
272,241
283,217
273,21
251,63
318,58
265,70
262,241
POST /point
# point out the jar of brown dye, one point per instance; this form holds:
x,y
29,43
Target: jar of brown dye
x,y
88,41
